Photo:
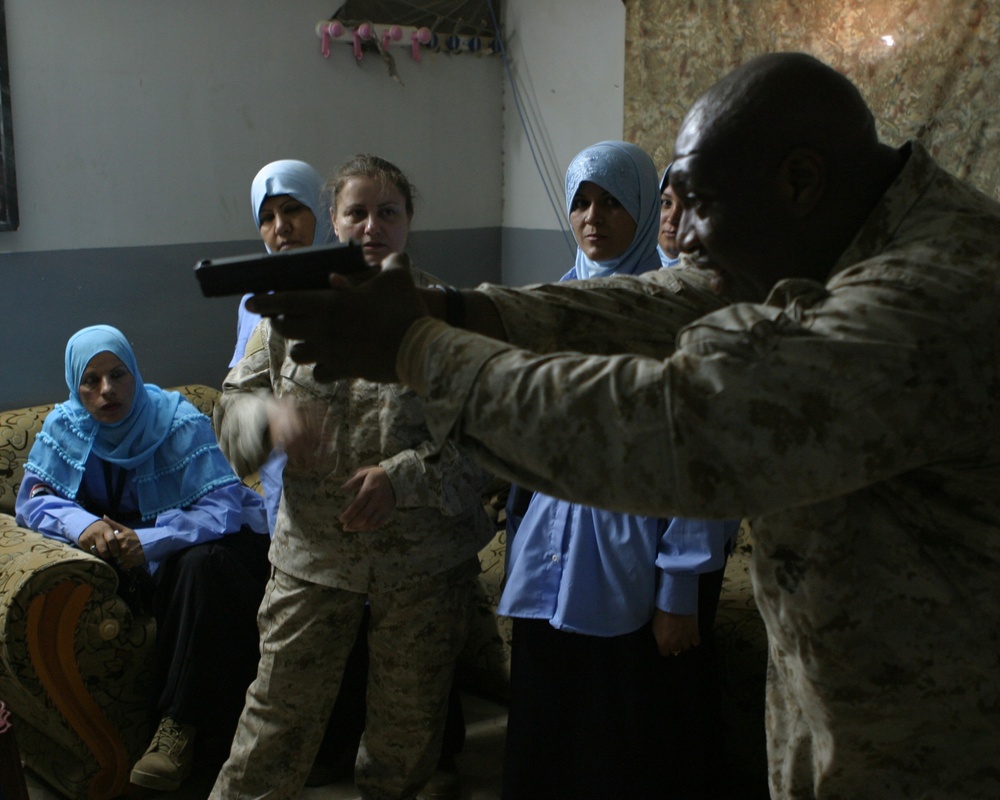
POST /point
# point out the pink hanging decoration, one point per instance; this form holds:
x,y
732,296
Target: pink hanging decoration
x,y
417,38
393,33
363,31
332,29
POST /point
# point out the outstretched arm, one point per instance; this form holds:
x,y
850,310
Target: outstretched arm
x,y
355,331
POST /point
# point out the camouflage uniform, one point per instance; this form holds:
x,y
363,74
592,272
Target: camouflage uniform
x,y
418,573
857,423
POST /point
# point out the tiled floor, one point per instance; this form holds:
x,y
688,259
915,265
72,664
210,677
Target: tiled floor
x,y
479,762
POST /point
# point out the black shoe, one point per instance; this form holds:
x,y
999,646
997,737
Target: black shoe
x,y
332,767
445,783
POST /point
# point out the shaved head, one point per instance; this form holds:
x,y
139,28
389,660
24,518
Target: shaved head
x,y
776,102
777,165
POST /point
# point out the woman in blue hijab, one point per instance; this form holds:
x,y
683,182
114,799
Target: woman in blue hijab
x,y
288,207
591,592
286,199
133,475
613,205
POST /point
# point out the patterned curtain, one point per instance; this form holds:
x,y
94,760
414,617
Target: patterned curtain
x,y
930,69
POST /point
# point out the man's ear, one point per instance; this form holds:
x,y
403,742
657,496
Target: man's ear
x,y
802,180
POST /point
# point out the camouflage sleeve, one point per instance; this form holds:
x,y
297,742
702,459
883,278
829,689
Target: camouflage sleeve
x,y
443,478
240,416
762,408
636,314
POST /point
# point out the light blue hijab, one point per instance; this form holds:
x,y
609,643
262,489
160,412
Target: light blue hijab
x,y
299,180
165,440
296,179
628,173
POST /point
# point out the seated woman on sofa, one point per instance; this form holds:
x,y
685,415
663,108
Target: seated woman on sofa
x,y
133,475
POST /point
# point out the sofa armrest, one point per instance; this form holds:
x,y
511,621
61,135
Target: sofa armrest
x,y
69,642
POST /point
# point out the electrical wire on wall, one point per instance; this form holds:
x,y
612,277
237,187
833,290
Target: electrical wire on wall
x,y
556,209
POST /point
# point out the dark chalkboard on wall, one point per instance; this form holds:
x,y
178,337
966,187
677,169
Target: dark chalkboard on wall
x,y
8,197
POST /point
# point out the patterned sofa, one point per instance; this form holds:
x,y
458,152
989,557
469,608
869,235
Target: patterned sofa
x,y
75,663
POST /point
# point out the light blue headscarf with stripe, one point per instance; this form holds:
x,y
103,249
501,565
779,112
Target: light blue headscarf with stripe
x,y
628,173
164,439
296,179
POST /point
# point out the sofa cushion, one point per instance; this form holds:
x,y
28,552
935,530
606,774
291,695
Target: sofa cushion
x,y
17,434
484,665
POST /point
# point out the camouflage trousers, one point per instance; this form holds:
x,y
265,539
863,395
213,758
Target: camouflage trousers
x,y
307,631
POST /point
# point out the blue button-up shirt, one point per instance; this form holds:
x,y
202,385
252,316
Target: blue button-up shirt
x,y
601,573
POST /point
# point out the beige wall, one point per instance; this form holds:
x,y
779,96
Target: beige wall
x,y
939,82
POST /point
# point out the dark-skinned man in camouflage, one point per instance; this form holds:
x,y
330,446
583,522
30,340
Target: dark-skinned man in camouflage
x,y
848,403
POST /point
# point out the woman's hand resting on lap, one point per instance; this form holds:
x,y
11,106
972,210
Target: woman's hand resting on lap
x,y
113,541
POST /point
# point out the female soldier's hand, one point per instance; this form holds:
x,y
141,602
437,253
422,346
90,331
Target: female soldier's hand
x,y
374,502
296,427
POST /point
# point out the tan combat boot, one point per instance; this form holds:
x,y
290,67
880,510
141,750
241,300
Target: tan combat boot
x,y
168,759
